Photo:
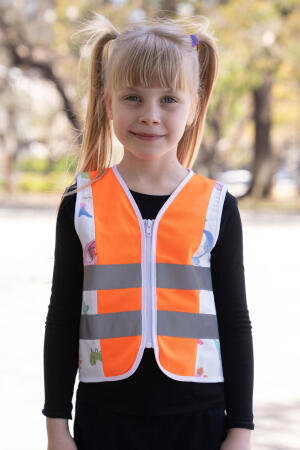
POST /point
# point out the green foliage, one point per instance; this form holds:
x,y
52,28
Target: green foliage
x,y
37,182
46,165
44,174
32,164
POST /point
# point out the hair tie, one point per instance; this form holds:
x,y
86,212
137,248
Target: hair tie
x,y
195,40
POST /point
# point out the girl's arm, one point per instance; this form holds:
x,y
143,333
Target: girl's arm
x,y
57,427
62,323
237,439
59,437
234,322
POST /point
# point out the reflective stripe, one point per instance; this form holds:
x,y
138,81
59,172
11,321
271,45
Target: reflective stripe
x,y
110,325
180,276
129,323
112,276
189,325
170,276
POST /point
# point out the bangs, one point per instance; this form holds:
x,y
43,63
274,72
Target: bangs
x,y
148,61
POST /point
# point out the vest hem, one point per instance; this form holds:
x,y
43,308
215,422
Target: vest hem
x,y
174,377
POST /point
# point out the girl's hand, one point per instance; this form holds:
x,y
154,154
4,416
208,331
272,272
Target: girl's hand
x,y
65,442
237,439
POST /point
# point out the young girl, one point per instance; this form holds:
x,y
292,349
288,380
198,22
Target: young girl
x,y
148,294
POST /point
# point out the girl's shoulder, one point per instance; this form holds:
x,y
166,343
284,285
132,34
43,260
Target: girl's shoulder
x,y
71,187
230,227
230,209
230,202
67,203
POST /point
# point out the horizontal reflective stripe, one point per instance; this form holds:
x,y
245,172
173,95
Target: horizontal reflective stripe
x,y
180,276
170,276
112,276
189,325
110,325
129,323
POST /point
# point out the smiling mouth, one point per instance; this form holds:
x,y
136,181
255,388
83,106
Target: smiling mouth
x,y
147,135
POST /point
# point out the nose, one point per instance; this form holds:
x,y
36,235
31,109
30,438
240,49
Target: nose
x,y
149,115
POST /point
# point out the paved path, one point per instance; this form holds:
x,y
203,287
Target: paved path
x,y
271,260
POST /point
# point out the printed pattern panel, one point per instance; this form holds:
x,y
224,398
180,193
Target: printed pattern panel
x,y
208,358
206,302
212,224
90,358
89,302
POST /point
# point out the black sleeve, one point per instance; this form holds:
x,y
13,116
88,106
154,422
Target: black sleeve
x,y
233,318
61,340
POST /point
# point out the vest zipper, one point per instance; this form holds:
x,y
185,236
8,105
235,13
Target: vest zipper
x,y
148,226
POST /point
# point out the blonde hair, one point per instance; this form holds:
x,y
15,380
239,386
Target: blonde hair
x,y
159,48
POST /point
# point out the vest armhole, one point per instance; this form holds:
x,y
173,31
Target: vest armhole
x,y
219,213
77,203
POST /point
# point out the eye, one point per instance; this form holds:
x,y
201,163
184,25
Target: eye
x,y
135,96
130,96
171,99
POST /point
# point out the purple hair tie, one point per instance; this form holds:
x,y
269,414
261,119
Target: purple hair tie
x,y
195,40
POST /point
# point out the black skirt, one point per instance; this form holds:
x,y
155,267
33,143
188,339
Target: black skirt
x,y
96,428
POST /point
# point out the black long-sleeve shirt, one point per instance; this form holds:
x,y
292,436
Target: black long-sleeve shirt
x,y
149,390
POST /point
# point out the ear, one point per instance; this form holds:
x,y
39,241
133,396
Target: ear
x,y
108,102
192,111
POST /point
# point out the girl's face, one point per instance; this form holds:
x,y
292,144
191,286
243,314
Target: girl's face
x,y
151,111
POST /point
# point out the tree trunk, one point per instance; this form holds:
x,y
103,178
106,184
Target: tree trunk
x,y
263,164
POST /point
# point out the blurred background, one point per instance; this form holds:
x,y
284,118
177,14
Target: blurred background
x,y
251,143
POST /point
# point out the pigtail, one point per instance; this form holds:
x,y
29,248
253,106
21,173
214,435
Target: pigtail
x,y
96,148
208,57
97,128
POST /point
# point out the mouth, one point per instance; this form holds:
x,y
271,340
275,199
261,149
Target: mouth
x,y
148,137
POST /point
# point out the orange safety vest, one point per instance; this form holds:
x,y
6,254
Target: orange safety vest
x,y
147,283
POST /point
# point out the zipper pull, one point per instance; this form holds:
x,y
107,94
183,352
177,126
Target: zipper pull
x,y
149,227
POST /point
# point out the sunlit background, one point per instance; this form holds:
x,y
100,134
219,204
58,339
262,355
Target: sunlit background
x,y
251,143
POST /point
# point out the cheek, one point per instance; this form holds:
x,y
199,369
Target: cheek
x,y
121,123
121,129
176,127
